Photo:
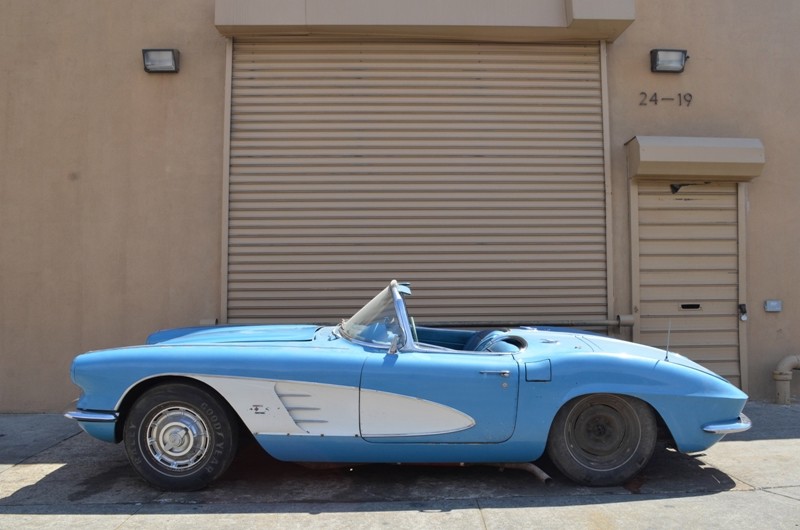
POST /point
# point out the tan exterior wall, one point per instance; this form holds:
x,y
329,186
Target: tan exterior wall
x,y
111,179
109,186
743,84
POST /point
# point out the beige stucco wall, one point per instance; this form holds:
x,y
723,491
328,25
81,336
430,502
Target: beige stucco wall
x,y
743,80
109,184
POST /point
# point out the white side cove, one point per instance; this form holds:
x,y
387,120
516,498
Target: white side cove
x,y
301,408
385,414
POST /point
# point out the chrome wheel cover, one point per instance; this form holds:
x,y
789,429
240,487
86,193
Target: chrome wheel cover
x,y
177,438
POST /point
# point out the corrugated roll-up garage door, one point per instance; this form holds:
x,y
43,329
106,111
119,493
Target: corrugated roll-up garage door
x,y
474,171
689,273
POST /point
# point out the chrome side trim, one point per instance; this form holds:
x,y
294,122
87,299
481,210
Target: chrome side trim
x,y
97,417
741,425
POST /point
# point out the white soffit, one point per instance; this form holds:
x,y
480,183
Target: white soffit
x,y
509,21
695,158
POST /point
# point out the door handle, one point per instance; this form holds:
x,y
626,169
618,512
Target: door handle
x,y
501,373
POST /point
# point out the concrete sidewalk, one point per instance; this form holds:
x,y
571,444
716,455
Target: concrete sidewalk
x,y
53,475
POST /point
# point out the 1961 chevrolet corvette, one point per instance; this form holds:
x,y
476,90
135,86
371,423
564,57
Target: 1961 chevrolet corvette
x,y
378,389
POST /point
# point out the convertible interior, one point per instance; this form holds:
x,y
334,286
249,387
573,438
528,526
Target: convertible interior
x,y
492,340
385,320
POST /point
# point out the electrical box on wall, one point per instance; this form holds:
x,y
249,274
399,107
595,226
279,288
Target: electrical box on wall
x,y
773,306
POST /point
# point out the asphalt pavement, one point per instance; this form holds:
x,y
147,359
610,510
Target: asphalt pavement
x,y
52,475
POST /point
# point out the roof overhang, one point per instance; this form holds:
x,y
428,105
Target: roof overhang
x,y
695,159
476,20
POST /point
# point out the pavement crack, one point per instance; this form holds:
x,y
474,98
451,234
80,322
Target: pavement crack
x,y
480,512
775,490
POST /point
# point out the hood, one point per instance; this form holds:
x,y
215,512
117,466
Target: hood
x,y
232,334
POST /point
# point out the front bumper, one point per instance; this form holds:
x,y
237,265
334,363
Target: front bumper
x,y
89,416
742,424
100,425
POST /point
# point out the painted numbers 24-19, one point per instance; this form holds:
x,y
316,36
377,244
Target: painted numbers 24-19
x,y
682,99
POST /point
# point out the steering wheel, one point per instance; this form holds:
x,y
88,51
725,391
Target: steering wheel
x,y
413,329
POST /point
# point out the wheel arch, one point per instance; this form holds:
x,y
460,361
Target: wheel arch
x,y
664,432
145,385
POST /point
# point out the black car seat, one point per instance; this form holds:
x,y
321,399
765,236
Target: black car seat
x,y
481,339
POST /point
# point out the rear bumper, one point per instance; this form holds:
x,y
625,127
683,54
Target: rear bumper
x,y
742,424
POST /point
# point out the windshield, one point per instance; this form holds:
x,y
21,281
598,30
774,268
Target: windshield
x,y
376,322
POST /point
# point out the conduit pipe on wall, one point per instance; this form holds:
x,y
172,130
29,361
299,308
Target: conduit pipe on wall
x,y
783,378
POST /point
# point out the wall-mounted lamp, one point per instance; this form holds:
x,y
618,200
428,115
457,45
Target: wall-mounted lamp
x,y
161,61
668,60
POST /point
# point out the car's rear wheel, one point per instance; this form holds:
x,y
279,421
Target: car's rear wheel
x,y
602,439
180,437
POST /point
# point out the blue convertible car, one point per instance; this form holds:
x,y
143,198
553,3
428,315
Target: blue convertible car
x,y
376,388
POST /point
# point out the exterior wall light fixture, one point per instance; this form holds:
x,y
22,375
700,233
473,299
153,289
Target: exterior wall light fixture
x,y
161,60
671,61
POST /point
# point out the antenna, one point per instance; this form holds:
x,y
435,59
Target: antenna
x,y
669,332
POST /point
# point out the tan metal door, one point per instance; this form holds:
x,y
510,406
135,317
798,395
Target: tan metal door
x,y
688,248
475,171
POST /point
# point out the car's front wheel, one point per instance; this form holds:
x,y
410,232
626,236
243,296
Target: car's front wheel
x,y
602,439
180,437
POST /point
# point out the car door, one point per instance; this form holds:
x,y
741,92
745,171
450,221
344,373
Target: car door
x,y
445,397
